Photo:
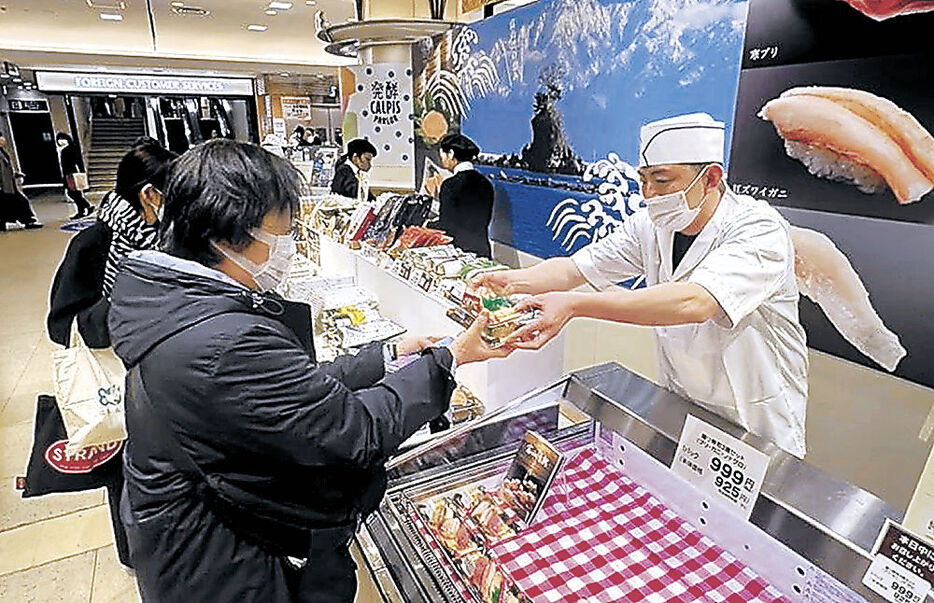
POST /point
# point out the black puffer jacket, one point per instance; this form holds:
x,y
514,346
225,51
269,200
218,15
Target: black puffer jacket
x,y
286,442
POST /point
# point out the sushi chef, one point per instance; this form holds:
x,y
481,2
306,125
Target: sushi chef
x,y
720,285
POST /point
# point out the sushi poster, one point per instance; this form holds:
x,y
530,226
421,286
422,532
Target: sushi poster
x,y
527,481
835,128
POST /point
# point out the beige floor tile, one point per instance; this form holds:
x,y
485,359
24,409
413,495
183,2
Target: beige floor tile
x,y
16,511
15,444
65,581
17,409
112,583
54,539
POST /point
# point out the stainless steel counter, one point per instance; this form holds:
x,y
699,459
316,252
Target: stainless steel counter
x,y
825,520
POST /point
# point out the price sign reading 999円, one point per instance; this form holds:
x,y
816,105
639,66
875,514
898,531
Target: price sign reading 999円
x,y
720,465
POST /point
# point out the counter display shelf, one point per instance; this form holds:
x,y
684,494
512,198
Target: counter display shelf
x,y
618,525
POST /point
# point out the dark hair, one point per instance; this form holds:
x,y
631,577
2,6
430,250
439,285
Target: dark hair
x,y
463,148
143,164
145,140
300,129
220,191
64,136
359,146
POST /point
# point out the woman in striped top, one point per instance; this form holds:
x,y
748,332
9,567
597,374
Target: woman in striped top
x,y
128,221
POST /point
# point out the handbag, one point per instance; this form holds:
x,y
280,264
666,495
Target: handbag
x,y
52,471
89,391
77,181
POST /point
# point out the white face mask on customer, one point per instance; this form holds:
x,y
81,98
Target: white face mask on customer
x,y
271,273
671,211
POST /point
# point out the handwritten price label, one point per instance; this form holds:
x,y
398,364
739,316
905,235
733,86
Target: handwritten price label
x,y
720,465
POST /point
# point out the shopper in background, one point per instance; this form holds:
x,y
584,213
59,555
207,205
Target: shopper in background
x,y
297,137
128,221
359,158
242,452
721,289
466,198
72,164
14,205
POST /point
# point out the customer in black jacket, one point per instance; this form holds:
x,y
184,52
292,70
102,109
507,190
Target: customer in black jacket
x,y
72,163
14,205
466,198
242,451
359,158
128,221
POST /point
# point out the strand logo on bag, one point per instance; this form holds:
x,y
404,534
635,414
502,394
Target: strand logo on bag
x,y
83,461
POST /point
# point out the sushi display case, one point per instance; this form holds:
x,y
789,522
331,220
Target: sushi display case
x,y
616,524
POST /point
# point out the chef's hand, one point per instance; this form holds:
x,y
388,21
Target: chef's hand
x,y
499,282
556,310
469,347
411,344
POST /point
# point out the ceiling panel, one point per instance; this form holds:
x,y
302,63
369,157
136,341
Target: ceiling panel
x,y
47,27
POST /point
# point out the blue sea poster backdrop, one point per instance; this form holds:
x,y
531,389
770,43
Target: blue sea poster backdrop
x,y
556,93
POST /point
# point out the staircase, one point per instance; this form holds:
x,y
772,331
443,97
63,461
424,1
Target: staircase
x,y
110,140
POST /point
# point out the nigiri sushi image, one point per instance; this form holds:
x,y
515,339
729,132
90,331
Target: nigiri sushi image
x,y
825,275
881,10
857,137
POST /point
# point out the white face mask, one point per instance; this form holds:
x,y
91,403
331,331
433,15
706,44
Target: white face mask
x,y
271,273
160,213
62,143
671,211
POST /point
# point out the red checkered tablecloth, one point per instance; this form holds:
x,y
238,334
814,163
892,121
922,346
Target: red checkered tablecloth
x,y
602,537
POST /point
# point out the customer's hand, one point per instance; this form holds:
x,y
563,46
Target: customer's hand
x,y
556,310
500,282
469,347
411,344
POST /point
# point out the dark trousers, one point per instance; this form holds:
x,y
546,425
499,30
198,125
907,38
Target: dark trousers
x,y
77,197
15,207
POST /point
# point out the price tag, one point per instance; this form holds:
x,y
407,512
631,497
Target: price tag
x,y
895,583
903,566
720,465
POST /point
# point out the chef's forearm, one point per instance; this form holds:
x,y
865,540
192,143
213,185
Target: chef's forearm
x,y
554,274
661,305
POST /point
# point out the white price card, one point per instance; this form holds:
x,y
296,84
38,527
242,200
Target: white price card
x,y
894,582
720,465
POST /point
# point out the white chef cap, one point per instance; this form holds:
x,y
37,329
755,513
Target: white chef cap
x,y
692,138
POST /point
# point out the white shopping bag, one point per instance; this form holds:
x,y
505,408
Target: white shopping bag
x,y
89,393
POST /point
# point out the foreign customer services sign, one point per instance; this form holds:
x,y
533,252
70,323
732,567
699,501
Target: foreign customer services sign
x,y
65,81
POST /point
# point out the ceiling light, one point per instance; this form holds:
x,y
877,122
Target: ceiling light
x,y
254,27
280,5
177,4
271,12
284,74
111,17
17,79
310,2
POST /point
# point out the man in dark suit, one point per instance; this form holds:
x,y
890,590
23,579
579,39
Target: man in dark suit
x,y
466,198
359,158
14,205
72,164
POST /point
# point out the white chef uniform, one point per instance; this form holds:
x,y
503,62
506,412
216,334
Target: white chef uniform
x,y
749,363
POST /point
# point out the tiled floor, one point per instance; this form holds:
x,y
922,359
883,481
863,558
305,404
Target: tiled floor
x,y
57,547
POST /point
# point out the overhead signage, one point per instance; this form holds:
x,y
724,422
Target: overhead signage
x,y
720,465
66,81
28,105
